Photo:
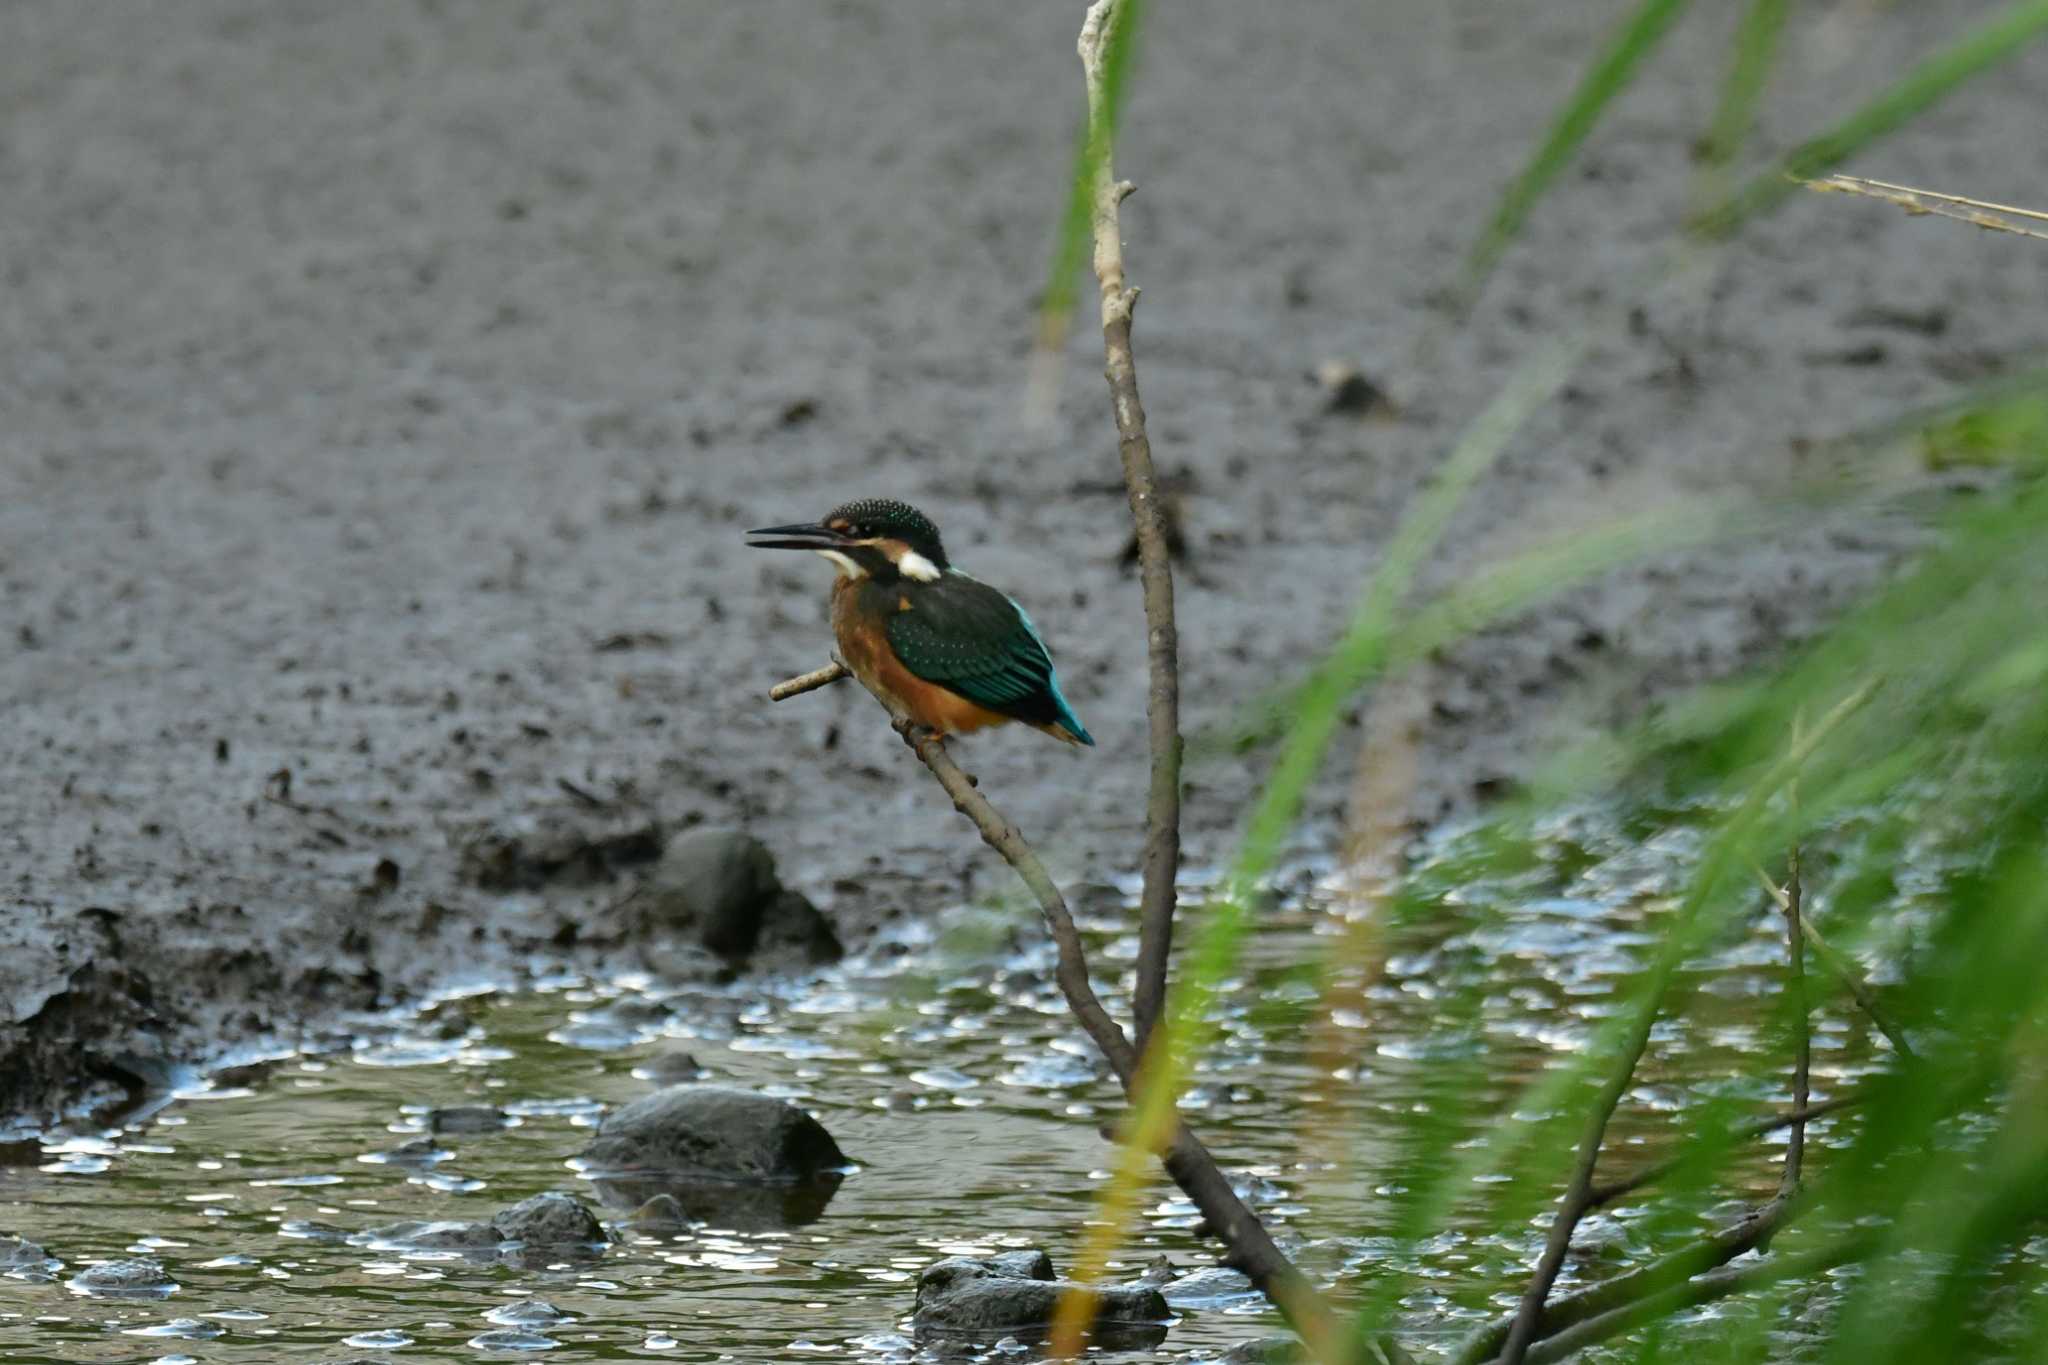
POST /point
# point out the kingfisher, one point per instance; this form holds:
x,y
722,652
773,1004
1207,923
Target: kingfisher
x,y
951,652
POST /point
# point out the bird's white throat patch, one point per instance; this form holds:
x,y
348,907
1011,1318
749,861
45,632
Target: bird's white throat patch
x,y
915,565
848,566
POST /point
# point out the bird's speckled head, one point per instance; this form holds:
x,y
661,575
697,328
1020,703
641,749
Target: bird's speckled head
x,y
868,537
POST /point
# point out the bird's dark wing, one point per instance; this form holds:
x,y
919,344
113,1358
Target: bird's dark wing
x,y
967,637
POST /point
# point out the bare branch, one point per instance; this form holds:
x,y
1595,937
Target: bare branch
x,y
1844,971
809,682
1148,519
1636,1287
1602,1195
1706,1288
1802,1045
1250,1247
1526,1325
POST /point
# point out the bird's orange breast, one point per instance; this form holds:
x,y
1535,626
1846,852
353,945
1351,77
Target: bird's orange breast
x,y
860,621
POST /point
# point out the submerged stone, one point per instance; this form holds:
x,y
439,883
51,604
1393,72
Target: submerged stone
x,y
24,1260
713,1131
1273,1350
547,1224
1015,1294
141,1277
719,1156
528,1313
467,1118
550,1219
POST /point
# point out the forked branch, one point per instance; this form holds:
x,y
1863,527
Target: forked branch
x,y
1250,1246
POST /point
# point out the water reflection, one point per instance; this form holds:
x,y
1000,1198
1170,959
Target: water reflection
x,y
946,1068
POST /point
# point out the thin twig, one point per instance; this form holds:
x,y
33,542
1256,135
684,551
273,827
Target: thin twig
x,y
1531,1316
1603,1195
809,682
1716,1249
1844,971
1148,520
1976,212
1525,1327
1251,1247
1706,1288
1802,1045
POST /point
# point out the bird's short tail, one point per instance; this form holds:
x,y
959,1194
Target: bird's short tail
x,y
1068,721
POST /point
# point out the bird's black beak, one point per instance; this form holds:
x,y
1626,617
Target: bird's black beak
x,y
803,536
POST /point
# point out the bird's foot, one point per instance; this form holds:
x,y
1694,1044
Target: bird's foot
x,y
916,733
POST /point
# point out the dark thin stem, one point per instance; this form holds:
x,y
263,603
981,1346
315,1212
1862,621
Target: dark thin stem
x,y
1603,1195
1706,1288
1844,971
1802,1047
1857,987
1523,1329
1250,1247
1755,1228
1148,520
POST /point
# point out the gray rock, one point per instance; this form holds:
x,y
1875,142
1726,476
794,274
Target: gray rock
x,y
719,1156
18,1251
1274,1350
719,885
553,1219
1030,1263
1210,1287
142,1277
24,1260
466,1118
1015,1294
713,1131
545,1225
513,1339
528,1313
671,1068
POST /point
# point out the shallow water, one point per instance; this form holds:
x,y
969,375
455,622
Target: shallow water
x,y
945,1065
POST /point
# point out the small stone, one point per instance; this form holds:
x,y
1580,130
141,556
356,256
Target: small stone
x,y
671,1068
24,1260
1209,1288
1029,1263
512,1339
551,1219
142,1277
984,1298
467,1118
719,886
528,1313
1348,389
711,1130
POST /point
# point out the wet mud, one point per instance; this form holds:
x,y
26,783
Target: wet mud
x,y
389,385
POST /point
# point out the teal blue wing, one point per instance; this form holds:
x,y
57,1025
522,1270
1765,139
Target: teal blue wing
x,y
970,639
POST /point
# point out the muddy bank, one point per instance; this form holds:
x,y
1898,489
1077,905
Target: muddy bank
x,y
388,385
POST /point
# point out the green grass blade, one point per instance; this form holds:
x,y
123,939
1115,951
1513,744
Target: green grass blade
x,y
1094,143
1756,51
1917,90
1609,75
